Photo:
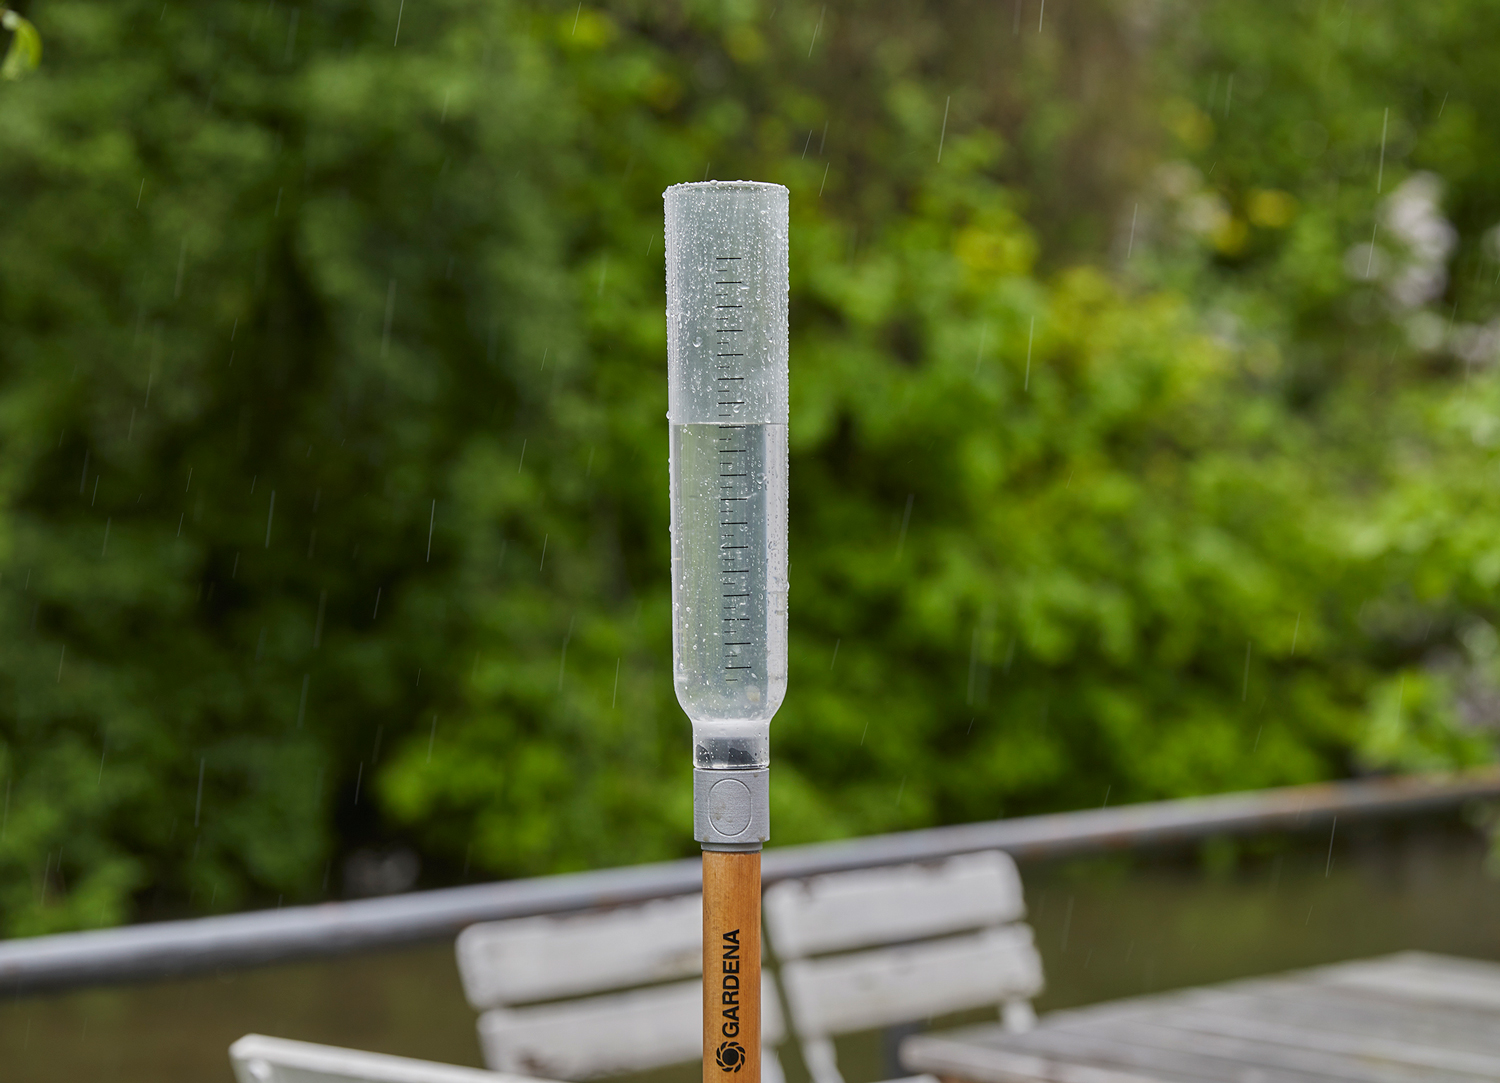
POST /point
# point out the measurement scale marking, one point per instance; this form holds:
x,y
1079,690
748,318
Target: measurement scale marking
x,y
732,479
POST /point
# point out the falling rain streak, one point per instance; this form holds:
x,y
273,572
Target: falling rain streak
x,y
1030,338
1380,170
302,700
198,801
390,312
177,289
905,522
823,11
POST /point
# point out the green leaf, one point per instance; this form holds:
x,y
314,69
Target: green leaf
x,y
25,51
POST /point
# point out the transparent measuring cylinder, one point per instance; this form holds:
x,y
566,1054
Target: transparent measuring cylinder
x,y
727,282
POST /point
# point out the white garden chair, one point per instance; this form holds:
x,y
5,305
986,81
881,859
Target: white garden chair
x,y
878,947
577,996
259,1059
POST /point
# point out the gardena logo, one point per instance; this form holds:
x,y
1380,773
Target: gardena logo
x,y
729,1001
731,1056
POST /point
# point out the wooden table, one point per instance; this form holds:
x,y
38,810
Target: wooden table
x,y
1407,1018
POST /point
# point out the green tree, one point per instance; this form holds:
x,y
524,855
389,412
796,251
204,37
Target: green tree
x,y
276,280
1338,164
1052,541
332,394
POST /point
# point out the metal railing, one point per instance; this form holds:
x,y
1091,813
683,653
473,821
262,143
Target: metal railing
x,y
176,947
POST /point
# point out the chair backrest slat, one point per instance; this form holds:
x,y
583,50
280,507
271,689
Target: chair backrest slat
x,y
259,1059
620,1032
528,959
883,986
876,947
840,911
630,954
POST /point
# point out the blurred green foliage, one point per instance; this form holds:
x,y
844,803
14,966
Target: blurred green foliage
x,y
332,388
25,50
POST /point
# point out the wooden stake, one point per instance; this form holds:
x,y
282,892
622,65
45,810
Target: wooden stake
x,y
731,967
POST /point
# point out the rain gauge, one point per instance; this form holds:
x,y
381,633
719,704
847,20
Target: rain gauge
x,y
727,281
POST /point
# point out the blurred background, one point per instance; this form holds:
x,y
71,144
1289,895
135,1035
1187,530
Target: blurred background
x,y
1145,423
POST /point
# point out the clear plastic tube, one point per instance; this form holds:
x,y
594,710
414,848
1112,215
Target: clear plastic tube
x,y
727,279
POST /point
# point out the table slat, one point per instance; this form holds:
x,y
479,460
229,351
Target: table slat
x,y
1408,1018
1217,1057
1340,1012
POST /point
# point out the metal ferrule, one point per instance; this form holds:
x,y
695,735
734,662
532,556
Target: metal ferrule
x,y
732,808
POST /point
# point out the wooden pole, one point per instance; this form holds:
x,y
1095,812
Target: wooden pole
x,y
731,966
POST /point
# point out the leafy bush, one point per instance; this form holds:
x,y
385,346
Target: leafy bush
x,y
368,319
